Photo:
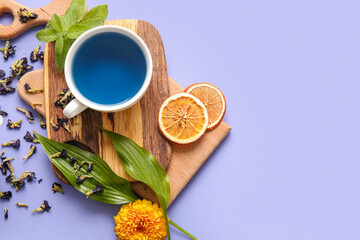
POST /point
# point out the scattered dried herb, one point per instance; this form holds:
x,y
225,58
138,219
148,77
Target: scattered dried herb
x,y
54,125
40,180
7,80
12,143
42,123
20,67
25,15
8,50
9,167
67,96
41,55
2,73
30,138
33,105
18,184
28,114
6,159
64,122
90,168
43,208
3,169
66,29
2,113
98,189
13,125
61,154
22,205
5,89
6,213
5,195
2,153
34,55
31,152
82,178
27,175
31,90
56,187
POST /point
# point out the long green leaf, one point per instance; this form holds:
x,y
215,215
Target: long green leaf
x,y
76,30
96,16
47,35
142,165
73,14
116,189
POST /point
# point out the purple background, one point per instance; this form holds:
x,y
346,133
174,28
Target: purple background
x,y
289,169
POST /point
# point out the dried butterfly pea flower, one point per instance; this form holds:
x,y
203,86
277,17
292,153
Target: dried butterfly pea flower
x,y
42,123
3,169
5,195
2,73
82,178
54,126
18,184
41,55
34,55
5,89
31,152
2,153
12,143
28,114
25,15
56,187
20,67
6,159
6,213
2,113
61,154
64,122
98,189
33,105
30,138
31,90
22,205
8,50
73,160
67,96
7,80
27,175
13,125
9,167
43,208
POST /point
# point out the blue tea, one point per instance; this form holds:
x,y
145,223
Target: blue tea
x,y
109,68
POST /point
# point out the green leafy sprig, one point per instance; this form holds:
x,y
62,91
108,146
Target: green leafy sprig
x,y
65,29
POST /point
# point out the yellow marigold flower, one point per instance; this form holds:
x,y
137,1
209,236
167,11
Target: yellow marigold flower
x,y
140,220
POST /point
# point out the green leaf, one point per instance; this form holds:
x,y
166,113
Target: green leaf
x,y
56,23
73,14
142,165
116,189
47,35
59,44
96,16
76,30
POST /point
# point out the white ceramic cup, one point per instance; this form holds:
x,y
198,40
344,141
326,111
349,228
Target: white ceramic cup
x,y
80,103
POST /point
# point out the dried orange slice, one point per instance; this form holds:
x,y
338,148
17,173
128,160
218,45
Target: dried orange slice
x,y
213,100
183,118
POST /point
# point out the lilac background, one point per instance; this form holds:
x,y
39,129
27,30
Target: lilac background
x,y
289,168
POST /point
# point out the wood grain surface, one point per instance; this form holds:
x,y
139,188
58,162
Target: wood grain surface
x,y
138,122
44,15
185,160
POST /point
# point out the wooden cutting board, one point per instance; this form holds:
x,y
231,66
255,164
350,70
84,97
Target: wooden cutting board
x,y
185,160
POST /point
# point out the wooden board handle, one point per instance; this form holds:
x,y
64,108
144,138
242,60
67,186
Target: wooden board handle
x,y
44,15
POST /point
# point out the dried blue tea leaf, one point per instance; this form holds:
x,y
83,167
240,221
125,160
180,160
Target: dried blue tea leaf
x,y
30,138
34,55
20,67
13,125
64,122
6,213
9,167
54,125
7,80
32,90
98,189
42,123
61,154
67,96
18,184
8,50
25,15
5,89
82,178
31,152
43,208
33,105
28,114
40,180
12,143
2,73
27,175
22,205
5,195
56,187
2,113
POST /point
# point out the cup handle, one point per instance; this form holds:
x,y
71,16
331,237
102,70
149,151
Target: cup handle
x,y
74,108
